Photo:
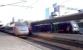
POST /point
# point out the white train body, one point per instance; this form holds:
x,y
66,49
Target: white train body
x,y
19,28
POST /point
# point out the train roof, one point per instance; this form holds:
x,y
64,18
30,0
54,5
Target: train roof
x,y
75,16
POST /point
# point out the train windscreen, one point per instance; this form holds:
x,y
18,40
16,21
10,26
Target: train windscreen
x,y
80,25
22,27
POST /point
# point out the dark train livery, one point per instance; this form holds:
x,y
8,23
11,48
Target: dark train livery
x,y
65,24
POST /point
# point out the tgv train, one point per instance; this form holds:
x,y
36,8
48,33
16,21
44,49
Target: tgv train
x,y
65,24
60,27
66,27
18,29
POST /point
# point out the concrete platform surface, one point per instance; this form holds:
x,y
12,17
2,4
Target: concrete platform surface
x,y
8,42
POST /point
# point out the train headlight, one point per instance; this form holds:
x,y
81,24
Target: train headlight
x,y
75,29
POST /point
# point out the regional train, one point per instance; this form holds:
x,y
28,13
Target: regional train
x,y
65,24
18,29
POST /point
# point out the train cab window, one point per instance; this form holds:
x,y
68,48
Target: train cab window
x,y
20,24
80,25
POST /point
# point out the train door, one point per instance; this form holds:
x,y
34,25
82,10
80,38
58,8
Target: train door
x,y
55,28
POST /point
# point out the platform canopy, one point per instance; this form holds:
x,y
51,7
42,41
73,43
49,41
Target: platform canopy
x,y
76,16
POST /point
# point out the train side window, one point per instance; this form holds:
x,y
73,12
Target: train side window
x,y
64,27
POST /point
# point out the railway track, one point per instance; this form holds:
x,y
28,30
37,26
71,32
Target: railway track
x,y
60,44
44,44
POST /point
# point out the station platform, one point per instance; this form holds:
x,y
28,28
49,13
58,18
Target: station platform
x,y
8,42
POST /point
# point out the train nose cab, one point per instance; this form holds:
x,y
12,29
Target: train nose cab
x,y
75,26
21,29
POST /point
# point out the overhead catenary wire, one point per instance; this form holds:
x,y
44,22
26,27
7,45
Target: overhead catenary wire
x,y
12,3
22,6
61,5
29,6
69,8
21,1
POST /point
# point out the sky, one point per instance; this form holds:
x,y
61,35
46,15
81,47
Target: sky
x,y
32,10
